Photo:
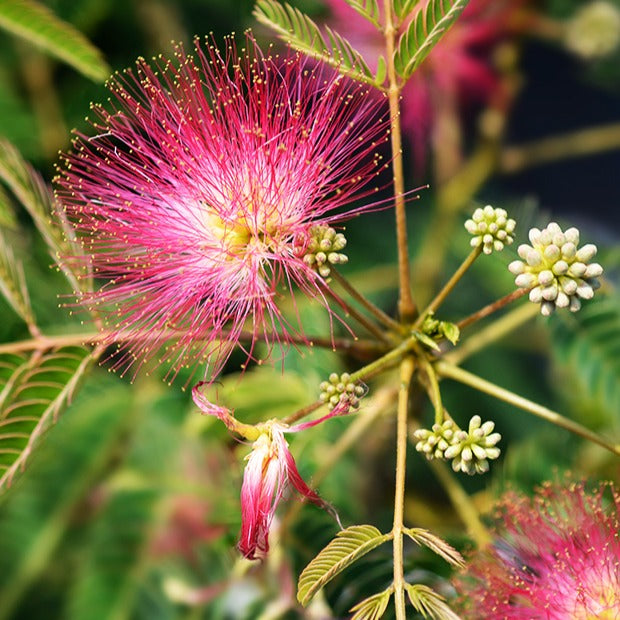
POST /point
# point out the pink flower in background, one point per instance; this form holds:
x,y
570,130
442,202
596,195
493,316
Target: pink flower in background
x,y
557,557
195,196
458,68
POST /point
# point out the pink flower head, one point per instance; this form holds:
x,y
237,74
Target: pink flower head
x,y
195,195
458,69
557,557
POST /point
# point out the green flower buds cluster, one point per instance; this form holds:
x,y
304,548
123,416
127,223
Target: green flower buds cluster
x,y
594,30
492,228
557,272
435,442
324,248
340,391
471,451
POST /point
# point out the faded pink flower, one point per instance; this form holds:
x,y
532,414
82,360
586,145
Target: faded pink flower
x,y
556,557
269,471
195,196
457,69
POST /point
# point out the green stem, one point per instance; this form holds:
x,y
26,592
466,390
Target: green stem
x,y
372,328
493,332
446,369
491,308
450,284
406,306
406,372
388,321
433,389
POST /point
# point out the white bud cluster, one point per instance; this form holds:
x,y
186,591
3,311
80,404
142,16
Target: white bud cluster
x,y
340,391
324,248
492,228
557,272
471,451
433,443
594,30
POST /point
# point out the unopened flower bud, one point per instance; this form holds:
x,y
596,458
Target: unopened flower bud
x,y
491,228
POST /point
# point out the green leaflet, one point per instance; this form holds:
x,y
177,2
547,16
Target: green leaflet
x,y
373,607
588,344
35,514
303,34
13,283
7,217
348,546
32,396
32,193
37,24
428,603
424,32
368,9
403,7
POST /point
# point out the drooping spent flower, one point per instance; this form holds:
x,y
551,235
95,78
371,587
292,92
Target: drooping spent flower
x,y
555,556
491,228
269,471
197,194
556,271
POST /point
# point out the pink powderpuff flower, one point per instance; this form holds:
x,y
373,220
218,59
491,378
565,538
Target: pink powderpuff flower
x,y
269,471
556,557
195,195
458,69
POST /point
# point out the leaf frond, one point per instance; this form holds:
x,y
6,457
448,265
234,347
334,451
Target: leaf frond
x,y
424,538
297,29
349,545
423,33
428,603
13,283
373,607
368,9
35,23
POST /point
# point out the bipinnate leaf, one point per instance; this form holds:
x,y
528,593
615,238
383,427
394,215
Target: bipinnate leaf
x,y
32,398
13,283
588,344
349,545
403,7
424,31
424,538
7,217
37,513
428,603
368,9
37,24
303,34
373,607
33,194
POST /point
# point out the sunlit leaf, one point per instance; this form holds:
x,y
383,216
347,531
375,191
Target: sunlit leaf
x,y
373,607
32,193
424,32
303,34
428,603
368,9
425,538
348,546
37,24
13,283
31,400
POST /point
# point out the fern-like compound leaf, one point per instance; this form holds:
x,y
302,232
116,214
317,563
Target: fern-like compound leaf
x,y
424,32
348,546
368,9
303,34
373,607
428,603
13,283
427,539
32,396
37,24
